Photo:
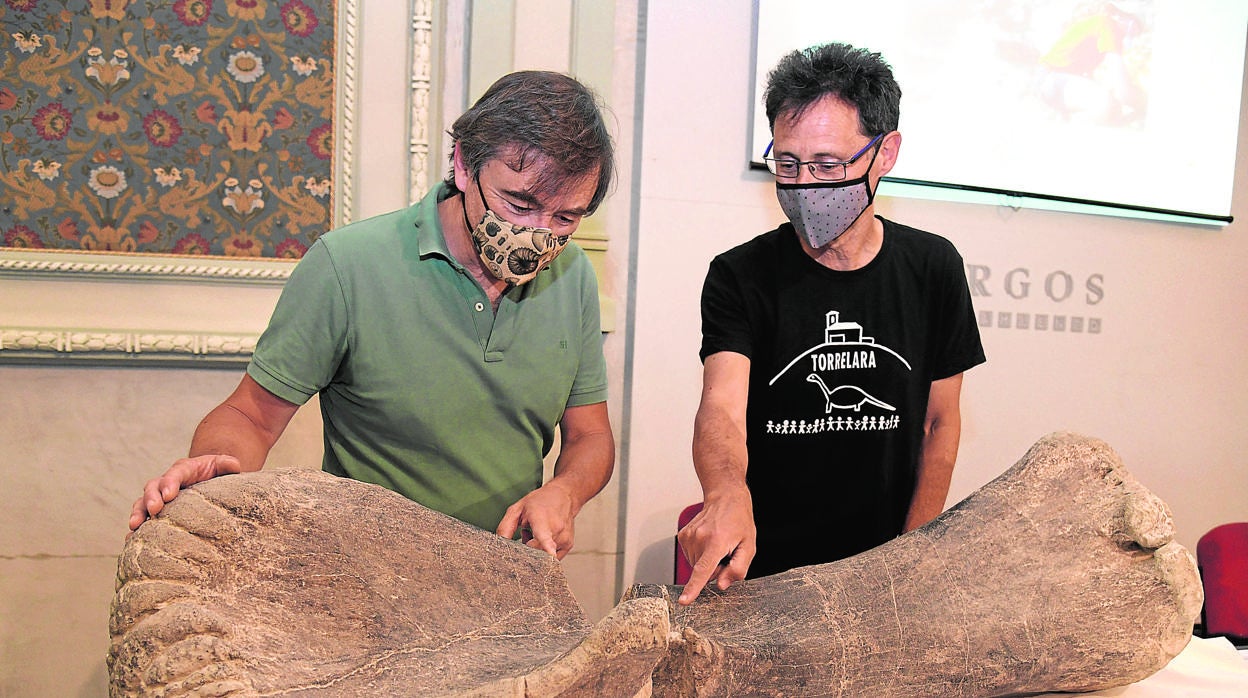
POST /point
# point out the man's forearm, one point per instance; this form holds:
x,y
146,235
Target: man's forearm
x,y
227,431
720,540
584,466
935,472
719,454
942,428
245,425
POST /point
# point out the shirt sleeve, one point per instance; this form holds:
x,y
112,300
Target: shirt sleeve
x,y
725,325
590,384
306,339
958,346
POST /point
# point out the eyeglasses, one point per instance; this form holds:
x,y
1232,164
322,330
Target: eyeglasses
x,y
826,170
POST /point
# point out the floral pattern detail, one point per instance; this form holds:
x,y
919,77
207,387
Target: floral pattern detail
x,y
194,127
321,141
303,66
291,248
162,129
108,9
108,120
192,244
185,55
107,181
46,170
27,43
52,122
251,10
245,67
193,13
299,19
107,72
21,236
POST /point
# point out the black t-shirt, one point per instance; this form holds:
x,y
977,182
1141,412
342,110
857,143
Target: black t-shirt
x,y
840,368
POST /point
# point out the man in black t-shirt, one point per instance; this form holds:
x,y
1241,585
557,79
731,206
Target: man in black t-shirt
x,y
833,347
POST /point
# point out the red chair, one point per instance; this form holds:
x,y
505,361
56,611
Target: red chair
x,y
683,568
1222,555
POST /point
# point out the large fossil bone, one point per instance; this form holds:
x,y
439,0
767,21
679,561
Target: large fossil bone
x,y
299,582
1060,575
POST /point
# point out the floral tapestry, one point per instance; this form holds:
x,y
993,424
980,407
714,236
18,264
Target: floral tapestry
x,y
189,127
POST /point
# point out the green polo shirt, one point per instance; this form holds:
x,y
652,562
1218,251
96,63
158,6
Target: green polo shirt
x,y
424,388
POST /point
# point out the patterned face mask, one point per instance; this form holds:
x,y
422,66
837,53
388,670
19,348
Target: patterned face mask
x,y
822,211
512,253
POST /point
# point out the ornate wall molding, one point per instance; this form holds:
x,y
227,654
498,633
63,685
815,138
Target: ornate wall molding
x,y
345,96
64,345
420,97
136,269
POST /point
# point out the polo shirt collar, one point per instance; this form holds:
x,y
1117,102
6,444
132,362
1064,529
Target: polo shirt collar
x,y
430,238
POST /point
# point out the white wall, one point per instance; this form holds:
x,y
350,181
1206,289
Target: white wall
x,y
1162,381
381,146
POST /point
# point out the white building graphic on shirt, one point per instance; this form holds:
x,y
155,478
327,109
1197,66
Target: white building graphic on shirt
x,y
837,332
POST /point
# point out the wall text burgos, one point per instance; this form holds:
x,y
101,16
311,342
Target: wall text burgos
x,y
1017,283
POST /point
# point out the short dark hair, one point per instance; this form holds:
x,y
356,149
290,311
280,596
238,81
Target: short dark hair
x,y
539,114
855,75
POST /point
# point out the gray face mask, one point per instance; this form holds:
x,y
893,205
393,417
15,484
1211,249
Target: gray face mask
x,y
821,212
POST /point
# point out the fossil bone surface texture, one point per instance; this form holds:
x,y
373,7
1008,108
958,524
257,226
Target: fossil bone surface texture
x,y
297,582
1060,575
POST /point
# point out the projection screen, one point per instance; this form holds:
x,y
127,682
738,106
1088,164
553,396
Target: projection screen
x,y
1124,106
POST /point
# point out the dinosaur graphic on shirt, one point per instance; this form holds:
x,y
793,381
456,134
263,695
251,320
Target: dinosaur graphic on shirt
x,y
846,397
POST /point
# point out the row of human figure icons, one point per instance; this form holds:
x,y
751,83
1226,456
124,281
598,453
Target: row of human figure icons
x,y
841,423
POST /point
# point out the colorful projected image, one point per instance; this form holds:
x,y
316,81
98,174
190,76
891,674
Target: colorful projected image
x,y
1085,62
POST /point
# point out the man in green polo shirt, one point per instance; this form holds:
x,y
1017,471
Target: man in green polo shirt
x,y
449,339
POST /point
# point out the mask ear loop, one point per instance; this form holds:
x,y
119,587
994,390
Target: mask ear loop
x,y
481,193
867,175
464,207
476,243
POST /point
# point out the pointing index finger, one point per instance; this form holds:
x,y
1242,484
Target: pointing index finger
x,y
703,570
